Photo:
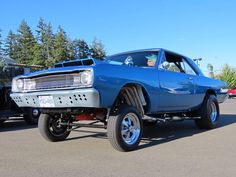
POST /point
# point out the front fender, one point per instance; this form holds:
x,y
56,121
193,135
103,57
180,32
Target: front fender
x,y
110,79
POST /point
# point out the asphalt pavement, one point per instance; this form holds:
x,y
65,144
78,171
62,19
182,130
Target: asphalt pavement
x,y
167,150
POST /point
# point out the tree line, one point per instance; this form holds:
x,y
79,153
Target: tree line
x,y
46,48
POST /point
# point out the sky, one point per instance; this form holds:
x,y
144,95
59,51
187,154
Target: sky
x,y
195,28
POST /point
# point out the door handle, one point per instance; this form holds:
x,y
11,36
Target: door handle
x,y
190,78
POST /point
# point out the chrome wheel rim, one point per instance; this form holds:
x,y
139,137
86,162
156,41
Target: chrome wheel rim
x,y
213,112
130,128
55,128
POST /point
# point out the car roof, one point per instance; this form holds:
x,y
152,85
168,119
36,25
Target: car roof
x,y
148,50
135,51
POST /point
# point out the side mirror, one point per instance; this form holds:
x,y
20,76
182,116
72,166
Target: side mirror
x,y
165,65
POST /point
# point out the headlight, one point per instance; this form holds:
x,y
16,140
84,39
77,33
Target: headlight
x,y
30,84
17,85
85,78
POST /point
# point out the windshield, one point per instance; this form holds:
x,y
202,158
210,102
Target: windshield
x,y
140,59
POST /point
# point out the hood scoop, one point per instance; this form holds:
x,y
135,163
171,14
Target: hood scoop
x,y
76,62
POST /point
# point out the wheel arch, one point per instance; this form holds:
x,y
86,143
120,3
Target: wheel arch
x,y
210,92
209,112
142,94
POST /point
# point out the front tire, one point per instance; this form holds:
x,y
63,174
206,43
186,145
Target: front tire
x,y
124,129
50,128
209,113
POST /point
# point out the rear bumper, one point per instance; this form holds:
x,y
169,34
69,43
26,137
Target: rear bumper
x,y
222,98
60,98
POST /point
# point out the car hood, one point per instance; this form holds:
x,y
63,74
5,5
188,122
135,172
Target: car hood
x,y
64,69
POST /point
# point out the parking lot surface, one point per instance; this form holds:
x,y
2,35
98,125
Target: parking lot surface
x,y
174,149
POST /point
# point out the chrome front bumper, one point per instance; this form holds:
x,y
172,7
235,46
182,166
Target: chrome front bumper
x,y
58,99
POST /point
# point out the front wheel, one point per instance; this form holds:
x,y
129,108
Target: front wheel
x,y
51,129
209,113
124,130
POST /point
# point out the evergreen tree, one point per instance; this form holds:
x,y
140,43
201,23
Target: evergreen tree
x,y
27,44
97,50
81,48
41,56
70,49
11,47
46,48
60,52
38,57
1,43
45,38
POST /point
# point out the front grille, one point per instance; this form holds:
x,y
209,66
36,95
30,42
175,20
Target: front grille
x,y
50,82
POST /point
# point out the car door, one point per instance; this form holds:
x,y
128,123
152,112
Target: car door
x,y
176,84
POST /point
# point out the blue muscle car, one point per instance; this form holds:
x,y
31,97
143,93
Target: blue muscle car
x,y
124,92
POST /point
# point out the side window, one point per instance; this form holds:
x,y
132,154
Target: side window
x,y
187,68
173,63
176,63
139,59
174,67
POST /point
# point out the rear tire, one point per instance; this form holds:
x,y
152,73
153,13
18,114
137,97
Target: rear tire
x,y
50,129
124,129
209,113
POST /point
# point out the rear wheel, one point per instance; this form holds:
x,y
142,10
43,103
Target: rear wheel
x,y
51,129
209,113
125,129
